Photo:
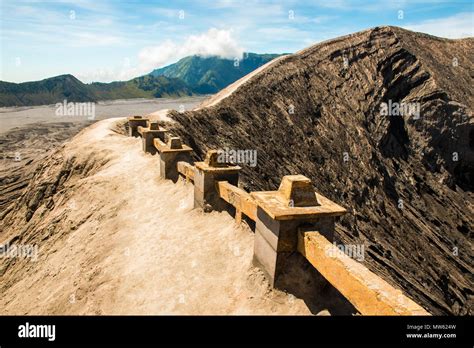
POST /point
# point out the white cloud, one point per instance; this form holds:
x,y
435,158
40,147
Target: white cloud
x,y
214,42
454,27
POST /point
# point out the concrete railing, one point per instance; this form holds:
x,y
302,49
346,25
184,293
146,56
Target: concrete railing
x,y
370,294
186,170
241,200
292,219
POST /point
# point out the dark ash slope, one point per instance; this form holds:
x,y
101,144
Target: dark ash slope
x,y
411,204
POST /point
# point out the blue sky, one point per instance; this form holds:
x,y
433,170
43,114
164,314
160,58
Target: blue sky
x,y
106,40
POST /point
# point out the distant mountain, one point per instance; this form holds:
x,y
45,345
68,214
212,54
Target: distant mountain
x,y
210,74
141,87
48,91
58,88
190,75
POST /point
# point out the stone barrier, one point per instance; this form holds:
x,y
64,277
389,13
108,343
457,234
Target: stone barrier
x,y
206,178
170,154
133,123
292,219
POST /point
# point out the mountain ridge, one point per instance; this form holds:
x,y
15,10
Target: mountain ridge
x,y
208,75
55,89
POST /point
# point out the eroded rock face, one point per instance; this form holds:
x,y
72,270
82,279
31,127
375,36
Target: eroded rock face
x,y
406,180
32,144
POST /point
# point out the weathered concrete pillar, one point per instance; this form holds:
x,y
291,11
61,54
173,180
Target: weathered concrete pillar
x,y
170,154
149,134
281,215
207,174
133,123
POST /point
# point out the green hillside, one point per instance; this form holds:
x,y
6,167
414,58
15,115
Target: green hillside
x,y
210,74
190,75
56,89
48,91
141,87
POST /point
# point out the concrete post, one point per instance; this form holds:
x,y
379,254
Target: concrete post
x,y
133,123
281,214
207,174
170,154
149,134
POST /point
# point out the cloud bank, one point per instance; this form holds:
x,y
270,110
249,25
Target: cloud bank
x,y
214,42
458,26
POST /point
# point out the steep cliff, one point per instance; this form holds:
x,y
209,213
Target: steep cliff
x,y
406,180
